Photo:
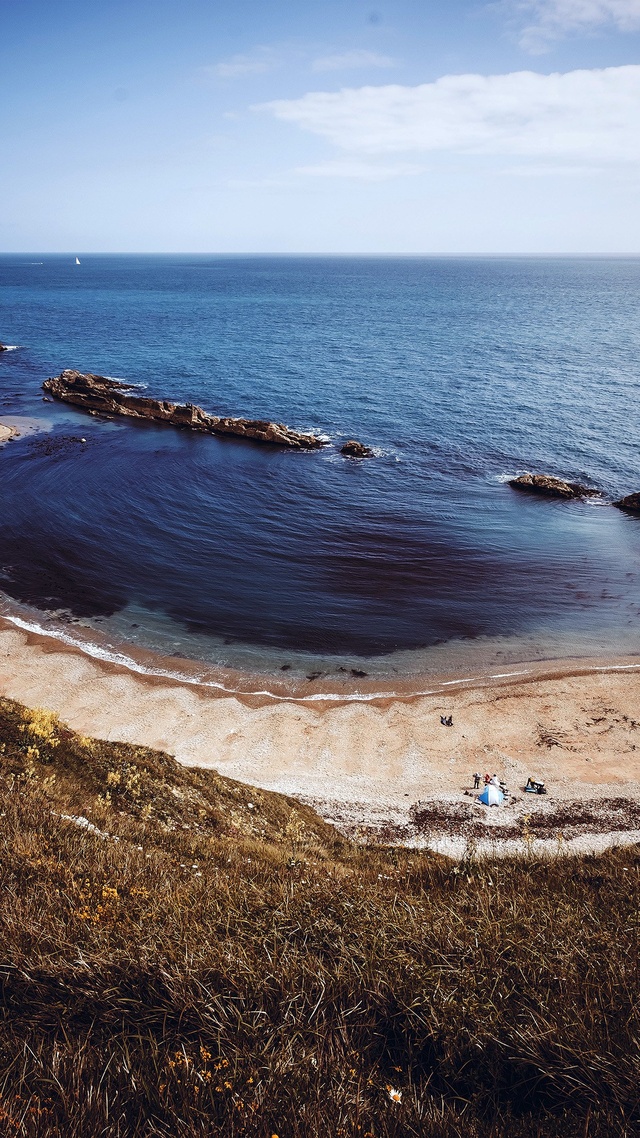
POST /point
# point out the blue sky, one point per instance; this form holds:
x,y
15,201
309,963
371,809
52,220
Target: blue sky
x,y
283,127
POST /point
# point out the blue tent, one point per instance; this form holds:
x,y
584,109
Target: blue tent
x,y
491,795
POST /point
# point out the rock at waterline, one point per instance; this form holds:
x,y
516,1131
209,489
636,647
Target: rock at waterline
x,y
102,396
551,487
3,348
353,449
631,503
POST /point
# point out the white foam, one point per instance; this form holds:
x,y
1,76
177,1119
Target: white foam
x,y
112,657
11,347
129,382
386,452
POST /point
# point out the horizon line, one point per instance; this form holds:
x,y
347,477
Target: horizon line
x,y
303,253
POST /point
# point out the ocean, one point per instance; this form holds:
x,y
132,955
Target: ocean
x,y
460,373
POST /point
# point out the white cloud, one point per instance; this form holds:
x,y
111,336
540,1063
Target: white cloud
x,y
553,18
359,170
253,63
591,116
347,60
546,169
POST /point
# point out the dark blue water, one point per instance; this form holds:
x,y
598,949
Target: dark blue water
x,y
458,371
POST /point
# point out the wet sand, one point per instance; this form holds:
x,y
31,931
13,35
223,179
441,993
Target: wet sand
x,y
361,757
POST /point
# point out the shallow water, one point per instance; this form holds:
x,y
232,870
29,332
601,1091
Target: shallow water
x,y
459,372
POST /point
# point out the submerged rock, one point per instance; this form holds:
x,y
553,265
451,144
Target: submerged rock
x,y
353,449
551,487
101,396
631,503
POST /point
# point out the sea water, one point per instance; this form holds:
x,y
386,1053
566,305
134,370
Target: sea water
x,y
460,373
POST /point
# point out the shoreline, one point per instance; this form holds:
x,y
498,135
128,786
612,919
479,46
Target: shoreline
x,y
365,760
272,685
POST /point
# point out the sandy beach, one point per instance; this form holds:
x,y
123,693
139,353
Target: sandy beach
x,y
371,763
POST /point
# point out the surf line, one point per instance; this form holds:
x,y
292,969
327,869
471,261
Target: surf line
x,y
120,659
506,675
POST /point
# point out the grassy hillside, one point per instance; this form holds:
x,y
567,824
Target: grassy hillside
x,y
212,959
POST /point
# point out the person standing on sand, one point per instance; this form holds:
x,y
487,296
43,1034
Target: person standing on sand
x,y
476,781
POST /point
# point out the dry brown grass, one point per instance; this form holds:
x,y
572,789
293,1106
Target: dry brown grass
x,y
221,969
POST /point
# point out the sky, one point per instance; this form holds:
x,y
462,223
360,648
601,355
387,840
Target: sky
x,y
320,126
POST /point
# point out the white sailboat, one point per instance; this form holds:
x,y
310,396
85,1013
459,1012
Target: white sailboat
x,y
77,261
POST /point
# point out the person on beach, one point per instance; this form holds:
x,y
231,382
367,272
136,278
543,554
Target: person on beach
x,y
476,781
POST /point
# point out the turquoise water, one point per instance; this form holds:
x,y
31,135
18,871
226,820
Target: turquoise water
x,y
460,372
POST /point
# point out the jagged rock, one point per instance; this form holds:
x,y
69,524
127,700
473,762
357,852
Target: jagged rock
x,y
552,487
631,503
101,396
354,449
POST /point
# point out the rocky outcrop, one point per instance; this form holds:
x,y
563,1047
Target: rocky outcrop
x,y
102,396
551,487
631,503
354,449
3,348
